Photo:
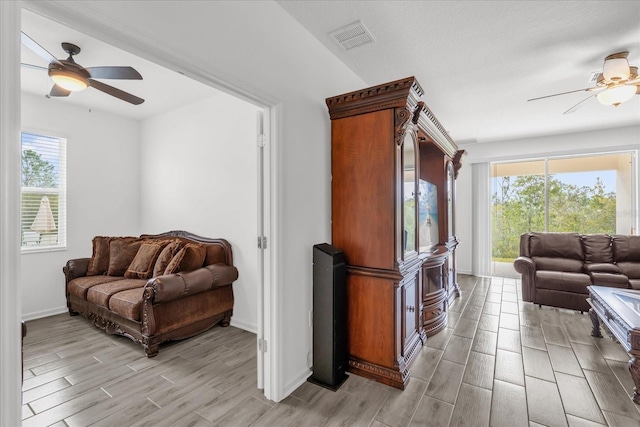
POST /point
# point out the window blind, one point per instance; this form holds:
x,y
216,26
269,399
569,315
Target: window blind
x,y
43,221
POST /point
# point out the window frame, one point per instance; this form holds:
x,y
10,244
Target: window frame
x,y
61,192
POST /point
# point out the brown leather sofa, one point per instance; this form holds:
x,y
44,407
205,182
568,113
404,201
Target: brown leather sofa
x,y
556,268
153,288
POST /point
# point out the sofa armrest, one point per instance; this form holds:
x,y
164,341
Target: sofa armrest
x,y
75,268
527,267
179,285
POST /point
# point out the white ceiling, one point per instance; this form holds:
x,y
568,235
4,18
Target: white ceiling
x,y
477,61
161,88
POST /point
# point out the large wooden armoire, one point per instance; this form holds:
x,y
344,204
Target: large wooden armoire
x,y
393,170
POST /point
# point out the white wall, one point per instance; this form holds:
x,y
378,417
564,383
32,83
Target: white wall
x,y
199,174
102,192
601,141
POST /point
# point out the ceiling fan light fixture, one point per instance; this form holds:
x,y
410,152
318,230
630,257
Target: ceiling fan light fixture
x,y
616,67
616,95
69,80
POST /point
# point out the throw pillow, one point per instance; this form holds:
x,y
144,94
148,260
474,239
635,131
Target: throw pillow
x,y
189,258
122,250
99,262
165,257
142,265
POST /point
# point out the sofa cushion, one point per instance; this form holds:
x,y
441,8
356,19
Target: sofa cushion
x,y
165,257
602,268
563,281
558,264
127,303
597,248
122,250
100,294
190,257
142,265
558,245
611,280
80,285
630,269
634,283
626,248
99,262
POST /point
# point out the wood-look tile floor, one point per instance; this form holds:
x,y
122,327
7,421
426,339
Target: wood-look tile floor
x,y
500,362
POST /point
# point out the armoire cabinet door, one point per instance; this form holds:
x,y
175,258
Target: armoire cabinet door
x,y
411,310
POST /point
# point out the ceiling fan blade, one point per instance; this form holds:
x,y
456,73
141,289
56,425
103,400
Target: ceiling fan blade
x,y
39,50
578,105
35,67
59,91
564,93
125,96
128,73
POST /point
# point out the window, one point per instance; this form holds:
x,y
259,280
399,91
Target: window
x,y
581,194
43,193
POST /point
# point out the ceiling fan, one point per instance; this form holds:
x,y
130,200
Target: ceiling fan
x,y
617,83
69,76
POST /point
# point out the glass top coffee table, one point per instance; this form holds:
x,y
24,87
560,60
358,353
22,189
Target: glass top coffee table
x,y
619,311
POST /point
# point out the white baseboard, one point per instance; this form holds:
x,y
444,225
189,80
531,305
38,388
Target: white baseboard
x,y
43,313
249,327
300,379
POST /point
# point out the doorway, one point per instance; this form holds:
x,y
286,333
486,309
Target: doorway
x,y
264,218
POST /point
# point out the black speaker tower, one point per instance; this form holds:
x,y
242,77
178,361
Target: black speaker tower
x,y
329,317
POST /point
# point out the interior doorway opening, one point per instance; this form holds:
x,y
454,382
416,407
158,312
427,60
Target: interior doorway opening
x,y
252,195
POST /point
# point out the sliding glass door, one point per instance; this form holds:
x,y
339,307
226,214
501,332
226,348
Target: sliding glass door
x,y
585,194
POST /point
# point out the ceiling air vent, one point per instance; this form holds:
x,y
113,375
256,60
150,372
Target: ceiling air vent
x,y
352,35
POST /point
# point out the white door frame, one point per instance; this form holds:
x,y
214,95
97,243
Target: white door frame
x,y
10,302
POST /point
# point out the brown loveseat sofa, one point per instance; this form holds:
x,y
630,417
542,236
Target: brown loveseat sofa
x,y
556,268
153,288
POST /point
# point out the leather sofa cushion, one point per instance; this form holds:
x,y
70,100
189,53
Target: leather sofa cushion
x,y
122,250
610,280
189,258
626,248
563,281
630,269
557,245
602,268
165,257
99,262
100,294
558,264
127,303
142,265
597,248
80,285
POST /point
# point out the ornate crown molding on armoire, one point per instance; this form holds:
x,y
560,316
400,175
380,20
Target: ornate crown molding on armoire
x,y
393,189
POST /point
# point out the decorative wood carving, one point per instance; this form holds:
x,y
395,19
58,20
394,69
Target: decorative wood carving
x,y
595,331
109,326
634,369
457,162
403,115
382,97
384,375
